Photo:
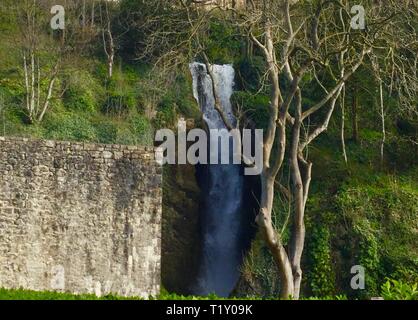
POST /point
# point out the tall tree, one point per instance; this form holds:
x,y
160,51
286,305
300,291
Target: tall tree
x,y
108,37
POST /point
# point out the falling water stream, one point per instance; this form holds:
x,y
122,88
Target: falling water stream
x,y
221,220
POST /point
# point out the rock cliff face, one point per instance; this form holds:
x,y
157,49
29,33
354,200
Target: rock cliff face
x,y
82,218
180,228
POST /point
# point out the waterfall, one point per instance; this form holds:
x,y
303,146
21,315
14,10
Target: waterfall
x,y
221,221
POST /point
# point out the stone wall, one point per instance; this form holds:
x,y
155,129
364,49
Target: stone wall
x,y
81,218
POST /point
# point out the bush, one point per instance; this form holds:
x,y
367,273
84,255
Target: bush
x,y
122,93
106,132
382,217
338,297
84,92
321,274
126,137
142,129
12,87
120,102
255,107
166,114
70,127
250,73
223,46
259,272
398,290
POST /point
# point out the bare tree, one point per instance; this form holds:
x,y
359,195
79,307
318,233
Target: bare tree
x,y
36,102
342,131
107,37
393,63
43,56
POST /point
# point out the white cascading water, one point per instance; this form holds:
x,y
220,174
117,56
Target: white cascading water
x,y
222,250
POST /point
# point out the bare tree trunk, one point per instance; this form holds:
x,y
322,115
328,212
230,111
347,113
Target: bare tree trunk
x,y
27,89
93,12
300,196
47,99
38,96
342,101
111,55
298,234
29,74
382,115
32,85
108,41
3,111
272,238
83,16
354,115
49,92
276,131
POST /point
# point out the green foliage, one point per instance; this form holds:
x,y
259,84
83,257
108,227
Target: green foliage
x,y
167,112
142,129
337,297
223,46
84,93
255,107
321,276
355,214
147,22
369,257
11,87
398,290
21,294
250,73
183,99
106,132
69,127
125,137
383,218
165,295
122,94
259,272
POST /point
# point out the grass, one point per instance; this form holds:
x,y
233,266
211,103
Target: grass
x,y
22,294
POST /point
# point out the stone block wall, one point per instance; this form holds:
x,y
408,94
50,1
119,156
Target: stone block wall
x,y
80,218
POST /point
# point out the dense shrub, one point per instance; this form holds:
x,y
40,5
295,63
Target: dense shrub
x,y
250,73
320,275
223,46
398,290
383,219
70,127
84,93
142,129
259,272
255,107
122,94
106,132
167,114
